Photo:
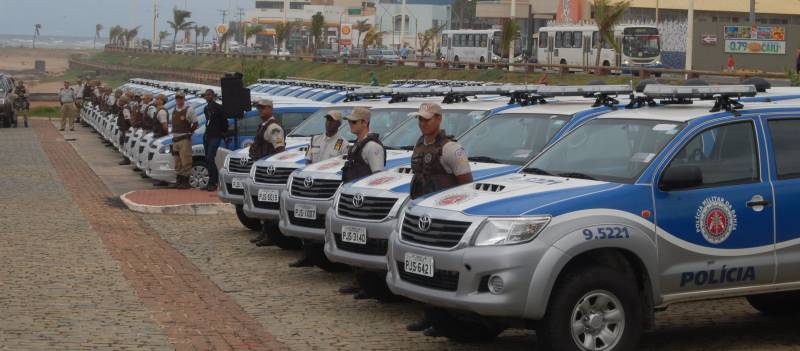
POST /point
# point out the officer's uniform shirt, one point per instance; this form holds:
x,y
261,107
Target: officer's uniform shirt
x,y
79,93
66,95
273,134
454,159
373,154
191,116
162,117
323,147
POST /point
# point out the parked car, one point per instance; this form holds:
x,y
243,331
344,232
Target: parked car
x,y
281,53
327,54
382,55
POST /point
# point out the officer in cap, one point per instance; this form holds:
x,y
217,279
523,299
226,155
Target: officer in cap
x,y
438,163
323,146
66,97
21,104
160,124
123,122
365,157
184,122
269,140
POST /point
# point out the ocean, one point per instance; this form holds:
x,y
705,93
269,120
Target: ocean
x,y
49,41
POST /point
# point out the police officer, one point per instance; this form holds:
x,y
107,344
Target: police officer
x,y
184,122
365,157
79,99
160,124
216,131
322,147
123,111
66,96
438,163
21,104
269,140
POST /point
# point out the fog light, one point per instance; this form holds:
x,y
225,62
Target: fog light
x,y
495,284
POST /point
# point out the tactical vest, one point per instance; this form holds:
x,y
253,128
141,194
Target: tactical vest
x,y
104,103
261,147
136,115
429,174
147,121
158,129
181,124
122,123
356,166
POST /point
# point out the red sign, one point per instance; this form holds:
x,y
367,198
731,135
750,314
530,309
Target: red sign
x,y
345,42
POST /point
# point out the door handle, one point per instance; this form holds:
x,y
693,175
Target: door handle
x,y
754,203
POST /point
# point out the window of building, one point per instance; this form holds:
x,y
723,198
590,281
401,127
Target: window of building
x,y
296,5
269,4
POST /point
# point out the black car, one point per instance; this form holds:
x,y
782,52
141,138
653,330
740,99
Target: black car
x,y
6,109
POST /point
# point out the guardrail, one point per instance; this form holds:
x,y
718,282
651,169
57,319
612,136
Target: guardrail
x,y
186,75
521,68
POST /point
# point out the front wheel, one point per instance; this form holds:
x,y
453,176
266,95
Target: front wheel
x,y
199,177
594,308
459,329
251,223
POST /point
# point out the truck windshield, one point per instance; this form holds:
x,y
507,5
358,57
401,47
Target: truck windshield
x,y
511,138
454,122
641,42
381,121
615,150
315,124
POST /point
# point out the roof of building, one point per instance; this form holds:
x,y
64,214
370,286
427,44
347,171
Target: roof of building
x,y
786,7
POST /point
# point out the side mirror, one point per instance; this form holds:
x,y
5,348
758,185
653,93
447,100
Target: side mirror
x,y
681,177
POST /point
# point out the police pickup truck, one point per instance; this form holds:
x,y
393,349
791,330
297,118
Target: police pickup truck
x,y
625,215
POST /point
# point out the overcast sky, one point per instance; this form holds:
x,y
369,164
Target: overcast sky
x,y
78,17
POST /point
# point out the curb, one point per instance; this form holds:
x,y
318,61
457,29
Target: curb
x,y
194,209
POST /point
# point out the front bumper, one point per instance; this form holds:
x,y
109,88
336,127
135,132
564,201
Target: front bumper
x,y
261,209
162,167
303,228
461,274
372,255
226,191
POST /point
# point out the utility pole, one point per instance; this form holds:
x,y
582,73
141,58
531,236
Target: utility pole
x,y
657,6
402,22
155,15
511,47
690,36
752,12
241,24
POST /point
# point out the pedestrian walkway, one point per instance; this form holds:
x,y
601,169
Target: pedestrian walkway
x,y
176,201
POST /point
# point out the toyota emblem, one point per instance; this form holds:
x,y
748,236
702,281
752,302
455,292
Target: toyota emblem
x,y
358,200
243,162
424,223
308,182
271,170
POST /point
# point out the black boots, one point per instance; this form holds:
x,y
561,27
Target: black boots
x,y
182,182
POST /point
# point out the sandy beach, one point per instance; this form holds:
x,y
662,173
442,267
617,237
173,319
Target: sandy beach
x,y
19,60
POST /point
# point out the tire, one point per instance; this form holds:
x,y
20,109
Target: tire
x,y
199,177
282,241
776,304
592,285
327,265
460,329
374,284
253,224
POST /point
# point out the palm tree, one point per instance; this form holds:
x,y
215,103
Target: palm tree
x,y
435,33
130,35
36,28
123,37
161,35
251,31
317,24
223,39
114,34
362,27
179,23
373,38
509,33
203,31
97,28
607,16
282,31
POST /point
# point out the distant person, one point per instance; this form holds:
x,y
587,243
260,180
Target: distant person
x,y
79,99
731,63
373,79
216,131
404,52
124,115
797,62
66,97
21,104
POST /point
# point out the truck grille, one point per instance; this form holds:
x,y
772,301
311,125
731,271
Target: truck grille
x,y
280,176
441,280
372,208
266,205
376,247
236,166
150,156
442,233
321,189
318,223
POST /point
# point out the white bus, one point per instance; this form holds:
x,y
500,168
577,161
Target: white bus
x,y
473,45
575,45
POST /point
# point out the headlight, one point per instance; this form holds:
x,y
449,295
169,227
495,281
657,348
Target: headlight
x,y
253,172
163,149
658,62
509,231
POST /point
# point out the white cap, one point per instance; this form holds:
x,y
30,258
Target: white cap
x,y
429,109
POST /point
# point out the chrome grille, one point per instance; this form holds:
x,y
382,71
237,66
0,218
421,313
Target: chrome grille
x,y
442,233
320,189
372,208
235,166
279,176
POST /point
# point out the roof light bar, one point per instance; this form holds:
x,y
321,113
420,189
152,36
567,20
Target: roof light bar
x,y
660,91
584,90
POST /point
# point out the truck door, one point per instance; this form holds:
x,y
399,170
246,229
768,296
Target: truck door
x,y
785,152
715,226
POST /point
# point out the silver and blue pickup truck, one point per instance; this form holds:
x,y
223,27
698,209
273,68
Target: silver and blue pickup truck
x,y
690,196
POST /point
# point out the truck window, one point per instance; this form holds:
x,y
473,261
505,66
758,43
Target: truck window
x,y
542,40
785,147
725,155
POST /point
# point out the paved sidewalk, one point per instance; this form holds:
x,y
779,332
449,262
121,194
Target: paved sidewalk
x,y
175,201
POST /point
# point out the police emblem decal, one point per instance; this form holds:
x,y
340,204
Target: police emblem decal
x,y
428,158
454,199
715,219
308,182
424,223
381,180
358,200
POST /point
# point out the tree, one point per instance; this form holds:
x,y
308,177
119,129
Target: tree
x,y
224,38
251,31
606,16
130,35
282,31
179,23
362,27
509,33
203,31
161,35
373,38
36,28
317,26
115,34
97,28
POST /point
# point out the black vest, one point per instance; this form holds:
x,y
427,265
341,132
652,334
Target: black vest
x,y
429,174
122,123
147,121
261,147
356,167
158,130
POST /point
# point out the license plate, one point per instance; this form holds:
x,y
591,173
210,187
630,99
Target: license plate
x,y
265,195
237,183
355,235
305,211
418,264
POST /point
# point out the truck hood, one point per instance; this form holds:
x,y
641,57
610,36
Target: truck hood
x,y
334,165
398,179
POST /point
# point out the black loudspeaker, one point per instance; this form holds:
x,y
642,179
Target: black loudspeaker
x,y
246,104
233,95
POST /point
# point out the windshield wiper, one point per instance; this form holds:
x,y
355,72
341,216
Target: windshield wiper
x,y
576,175
486,159
406,147
534,170
298,135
